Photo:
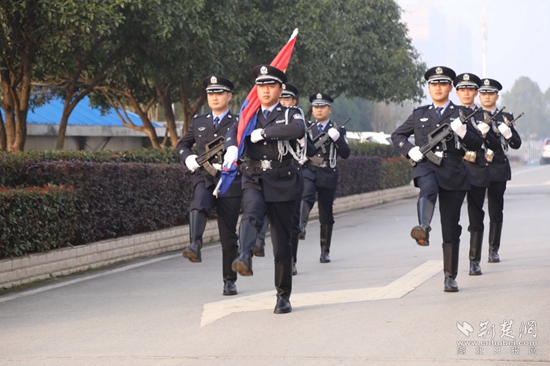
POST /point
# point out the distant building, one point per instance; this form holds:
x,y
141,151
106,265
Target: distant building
x,y
87,129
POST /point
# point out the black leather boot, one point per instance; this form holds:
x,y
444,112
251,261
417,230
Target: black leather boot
x,y
294,239
326,237
476,240
197,223
305,209
450,266
421,232
259,247
495,232
247,238
229,277
283,284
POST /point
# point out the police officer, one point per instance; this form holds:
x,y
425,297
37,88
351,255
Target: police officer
x,y
269,181
449,180
321,172
203,130
467,86
499,167
289,98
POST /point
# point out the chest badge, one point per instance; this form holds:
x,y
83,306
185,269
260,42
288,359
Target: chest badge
x,y
202,128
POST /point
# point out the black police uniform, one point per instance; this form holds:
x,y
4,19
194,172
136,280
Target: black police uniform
x,y
478,172
321,178
499,172
289,91
200,133
449,180
269,185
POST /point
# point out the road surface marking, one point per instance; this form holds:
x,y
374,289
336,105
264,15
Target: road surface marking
x,y
265,300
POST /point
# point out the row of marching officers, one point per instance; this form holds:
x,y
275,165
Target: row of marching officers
x,y
286,161
459,151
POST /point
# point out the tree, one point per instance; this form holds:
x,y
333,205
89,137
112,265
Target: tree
x,y
23,26
526,96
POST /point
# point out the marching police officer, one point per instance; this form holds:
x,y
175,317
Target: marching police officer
x,y
204,129
289,98
499,167
269,181
449,179
467,86
321,172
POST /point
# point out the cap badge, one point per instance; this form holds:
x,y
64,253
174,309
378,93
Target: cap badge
x,y
213,80
284,86
466,77
486,82
319,96
439,71
263,70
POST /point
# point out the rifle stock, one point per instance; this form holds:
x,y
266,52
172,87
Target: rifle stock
x,y
323,138
213,149
435,137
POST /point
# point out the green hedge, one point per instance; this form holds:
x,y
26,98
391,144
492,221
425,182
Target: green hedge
x,y
116,197
36,219
373,149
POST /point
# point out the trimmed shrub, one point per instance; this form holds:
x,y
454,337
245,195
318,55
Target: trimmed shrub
x,y
121,199
373,149
36,219
396,172
358,174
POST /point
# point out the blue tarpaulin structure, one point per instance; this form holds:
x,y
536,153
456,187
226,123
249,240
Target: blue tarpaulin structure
x,y
82,115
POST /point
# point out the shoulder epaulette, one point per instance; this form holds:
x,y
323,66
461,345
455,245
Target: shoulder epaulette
x,y
200,115
422,106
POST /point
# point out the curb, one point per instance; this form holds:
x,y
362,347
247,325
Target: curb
x,y
64,261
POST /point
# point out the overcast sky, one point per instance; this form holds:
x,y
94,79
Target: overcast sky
x,y
518,36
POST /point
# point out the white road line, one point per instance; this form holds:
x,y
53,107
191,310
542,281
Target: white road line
x,y
81,279
265,300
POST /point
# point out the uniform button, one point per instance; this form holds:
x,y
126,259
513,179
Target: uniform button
x,y
215,135
265,157
265,142
422,126
289,173
437,147
437,125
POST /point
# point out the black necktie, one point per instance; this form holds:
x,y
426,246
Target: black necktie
x,y
438,111
216,121
266,113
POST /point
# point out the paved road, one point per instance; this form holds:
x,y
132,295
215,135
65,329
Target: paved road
x,y
380,302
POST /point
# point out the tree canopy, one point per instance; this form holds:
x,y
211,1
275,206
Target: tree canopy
x,y
526,96
146,53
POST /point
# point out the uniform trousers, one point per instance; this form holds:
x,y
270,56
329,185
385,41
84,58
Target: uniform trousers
x,y
476,215
227,209
495,195
325,198
450,203
280,218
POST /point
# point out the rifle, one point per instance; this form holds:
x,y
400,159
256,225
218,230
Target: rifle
x,y
489,119
442,133
465,119
312,125
324,139
214,149
509,123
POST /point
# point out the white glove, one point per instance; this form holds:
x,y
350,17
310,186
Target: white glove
x,y
256,135
483,128
303,160
505,131
231,156
217,166
302,142
459,128
415,154
333,133
191,163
